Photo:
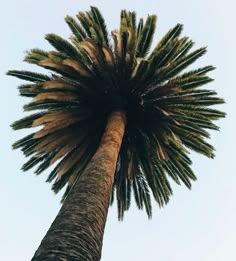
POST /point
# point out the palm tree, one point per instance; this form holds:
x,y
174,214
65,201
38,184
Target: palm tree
x,y
116,119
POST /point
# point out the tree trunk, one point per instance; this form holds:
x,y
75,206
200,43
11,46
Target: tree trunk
x,y
77,231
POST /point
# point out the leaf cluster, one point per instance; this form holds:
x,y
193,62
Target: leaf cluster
x,y
168,112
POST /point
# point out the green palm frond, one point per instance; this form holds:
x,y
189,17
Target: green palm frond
x,y
146,36
168,112
76,28
29,76
62,46
101,26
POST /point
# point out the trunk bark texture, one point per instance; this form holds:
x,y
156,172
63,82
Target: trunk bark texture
x,y
77,231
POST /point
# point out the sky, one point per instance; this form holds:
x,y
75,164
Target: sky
x,y
196,225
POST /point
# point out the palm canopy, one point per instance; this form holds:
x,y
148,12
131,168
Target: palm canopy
x,y
91,76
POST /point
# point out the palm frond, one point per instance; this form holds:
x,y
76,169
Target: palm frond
x,y
76,29
29,76
145,39
101,26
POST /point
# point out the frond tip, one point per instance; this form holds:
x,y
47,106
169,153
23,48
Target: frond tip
x,y
168,112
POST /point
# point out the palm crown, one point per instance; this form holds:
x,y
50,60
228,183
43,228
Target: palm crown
x,y
91,76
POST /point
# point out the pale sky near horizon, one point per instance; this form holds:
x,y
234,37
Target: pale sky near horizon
x,y
196,225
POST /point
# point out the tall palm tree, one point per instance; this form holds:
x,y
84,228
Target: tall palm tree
x,y
115,119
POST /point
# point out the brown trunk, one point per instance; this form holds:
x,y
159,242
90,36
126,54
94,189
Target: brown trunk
x,y
77,231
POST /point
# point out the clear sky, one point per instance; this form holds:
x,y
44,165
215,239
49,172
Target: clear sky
x,y
196,225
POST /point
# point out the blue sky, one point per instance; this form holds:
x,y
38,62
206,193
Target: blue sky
x,y
195,225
